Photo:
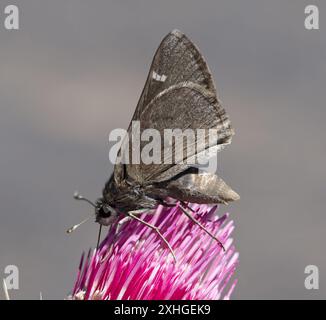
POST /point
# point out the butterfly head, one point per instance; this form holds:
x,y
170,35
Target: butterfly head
x,y
105,214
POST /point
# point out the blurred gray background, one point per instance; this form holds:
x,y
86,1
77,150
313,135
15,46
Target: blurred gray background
x,y
75,70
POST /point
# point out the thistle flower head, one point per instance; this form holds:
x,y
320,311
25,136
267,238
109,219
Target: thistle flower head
x,y
133,263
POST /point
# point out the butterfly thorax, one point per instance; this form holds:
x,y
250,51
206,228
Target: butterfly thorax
x,y
127,196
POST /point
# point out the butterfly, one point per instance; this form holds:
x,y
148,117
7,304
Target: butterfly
x,y
179,93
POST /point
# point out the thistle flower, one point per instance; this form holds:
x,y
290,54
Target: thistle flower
x,y
133,263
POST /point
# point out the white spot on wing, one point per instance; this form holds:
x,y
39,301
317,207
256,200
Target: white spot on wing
x,y
158,77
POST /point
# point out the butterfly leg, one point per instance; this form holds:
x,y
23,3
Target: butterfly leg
x,y
168,205
130,214
184,210
185,205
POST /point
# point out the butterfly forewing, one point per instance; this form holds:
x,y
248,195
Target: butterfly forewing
x,y
176,60
179,94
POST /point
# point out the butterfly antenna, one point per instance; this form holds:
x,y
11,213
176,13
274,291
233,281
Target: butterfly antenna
x,y
78,196
199,224
156,230
73,228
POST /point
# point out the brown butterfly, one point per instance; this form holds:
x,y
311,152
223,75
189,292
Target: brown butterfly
x,y
179,93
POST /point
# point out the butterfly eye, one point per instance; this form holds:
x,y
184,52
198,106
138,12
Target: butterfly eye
x,y
106,209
